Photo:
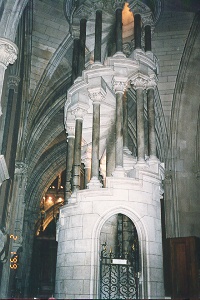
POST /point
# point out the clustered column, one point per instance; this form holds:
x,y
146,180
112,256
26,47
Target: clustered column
x,y
140,84
147,84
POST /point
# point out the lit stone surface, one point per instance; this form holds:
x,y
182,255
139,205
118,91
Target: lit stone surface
x,y
80,226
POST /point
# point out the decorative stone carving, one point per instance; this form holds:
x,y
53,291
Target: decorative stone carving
x,y
3,170
139,81
119,84
152,82
83,12
20,167
147,19
99,5
97,94
13,81
138,7
8,52
118,4
79,111
75,31
127,48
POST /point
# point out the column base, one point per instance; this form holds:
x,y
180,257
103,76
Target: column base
x,y
119,172
141,164
126,150
119,54
94,184
96,65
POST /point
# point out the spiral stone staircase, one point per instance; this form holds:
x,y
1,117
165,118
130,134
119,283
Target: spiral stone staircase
x,y
110,106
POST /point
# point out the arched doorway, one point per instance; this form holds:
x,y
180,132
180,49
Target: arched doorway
x,y
119,260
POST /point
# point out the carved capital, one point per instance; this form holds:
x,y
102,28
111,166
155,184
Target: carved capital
x,y
70,129
152,82
139,81
99,5
137,7
75,31
79,112
20,167
119,84
83,12
8,52
118,4
13,81
97,94
147,19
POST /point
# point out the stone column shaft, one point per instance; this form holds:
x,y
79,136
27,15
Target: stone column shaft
x,y
151,125
69,165
137,31
75,60
81,65
87,175
77,155
119,130
125,121
140,124
147,38
95,139
118,29
98,36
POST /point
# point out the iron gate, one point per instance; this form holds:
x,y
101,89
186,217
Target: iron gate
x,y
119,271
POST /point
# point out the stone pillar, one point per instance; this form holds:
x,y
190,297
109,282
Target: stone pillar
x,y
79,112
69,161
137,31
77,155
118,6
118,28
81,63
96,95
147,29
140,83
75,55
86,159
119,85
125,124
147,21
8,55
151,122
98,36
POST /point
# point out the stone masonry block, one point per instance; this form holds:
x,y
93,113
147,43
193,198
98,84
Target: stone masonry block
x,y
76,221
81,272
74,286
75,259
83,245
73,233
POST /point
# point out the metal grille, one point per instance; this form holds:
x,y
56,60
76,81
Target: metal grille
x,y
119,271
